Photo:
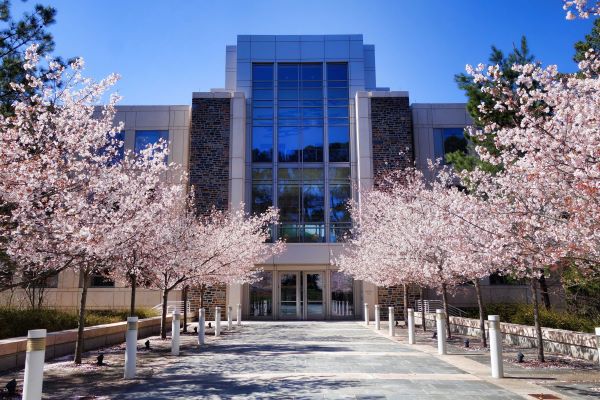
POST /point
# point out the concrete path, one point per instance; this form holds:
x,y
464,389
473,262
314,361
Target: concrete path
x,y
298,360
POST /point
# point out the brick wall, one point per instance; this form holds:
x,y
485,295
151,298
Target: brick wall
x,y
391,127
213,296
394,296
209,152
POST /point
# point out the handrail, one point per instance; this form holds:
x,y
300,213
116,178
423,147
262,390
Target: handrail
x,y
173,305
431,305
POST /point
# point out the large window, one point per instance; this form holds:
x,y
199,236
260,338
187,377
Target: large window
x,y
295,107
262,112
337,112
300,112
448,140
146,138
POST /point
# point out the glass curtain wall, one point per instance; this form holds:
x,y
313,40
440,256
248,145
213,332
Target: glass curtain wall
x,y
295,108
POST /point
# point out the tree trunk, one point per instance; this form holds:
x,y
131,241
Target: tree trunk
x,y
536,320
163,316
445,302
423,322
81,323
544,292
405,308
185,296
481,312
133,278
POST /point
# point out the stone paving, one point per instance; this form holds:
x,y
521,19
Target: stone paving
x,y
299,360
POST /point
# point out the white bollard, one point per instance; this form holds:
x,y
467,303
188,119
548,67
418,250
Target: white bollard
x,y
377,318
598,341
229,318
440,319
131,347
201,327
239,315
411,326
366,314
175,333
496,346
392,330
217,321
34,364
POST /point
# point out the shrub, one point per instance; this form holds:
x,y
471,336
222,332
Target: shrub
x,y
523,314
15,322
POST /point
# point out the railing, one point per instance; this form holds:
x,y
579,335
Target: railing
x,y
172,306
432,305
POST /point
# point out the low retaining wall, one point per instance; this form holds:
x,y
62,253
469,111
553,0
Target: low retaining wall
x,y
574,344
58,344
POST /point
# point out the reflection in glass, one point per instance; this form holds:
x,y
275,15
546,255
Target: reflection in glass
x,y
262,72
342,295
313,203
289,202
143,139
339,195
262,197
261,296
339,143
314,294
289,144
312,138
337,71
288,306
262,143
314,233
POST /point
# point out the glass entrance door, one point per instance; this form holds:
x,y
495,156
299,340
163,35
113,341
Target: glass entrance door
x,y
314,284
290,295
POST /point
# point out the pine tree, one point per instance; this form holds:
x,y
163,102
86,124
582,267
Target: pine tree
x,y
592,41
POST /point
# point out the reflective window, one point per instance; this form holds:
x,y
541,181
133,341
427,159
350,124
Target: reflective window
x,y
312,138
262,189
143,139
340,193
448,140
339,143
289,144
262,112
337,71
261,295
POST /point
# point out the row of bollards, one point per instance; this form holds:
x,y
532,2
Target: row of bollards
x,y
36,347
495,334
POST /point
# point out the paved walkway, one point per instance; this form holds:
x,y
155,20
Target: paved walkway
x,y
311,360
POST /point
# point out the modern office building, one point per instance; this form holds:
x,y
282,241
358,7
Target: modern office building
x,y
301,125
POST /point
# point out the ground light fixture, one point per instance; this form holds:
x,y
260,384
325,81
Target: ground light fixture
x,y
11,387
147,344
195,329
434,336
520,357
467,343
100,359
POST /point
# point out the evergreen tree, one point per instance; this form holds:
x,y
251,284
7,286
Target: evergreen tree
x,y
15,36
592,41
468,161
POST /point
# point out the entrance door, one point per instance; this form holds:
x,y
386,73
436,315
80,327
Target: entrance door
x,y
314,289
290,295
301,295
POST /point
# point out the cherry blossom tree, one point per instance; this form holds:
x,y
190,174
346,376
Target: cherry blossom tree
x,y
60,169
581,8
221,247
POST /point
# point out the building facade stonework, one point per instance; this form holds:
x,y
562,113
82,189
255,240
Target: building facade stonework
x,y
210,131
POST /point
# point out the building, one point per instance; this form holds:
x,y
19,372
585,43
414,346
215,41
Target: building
x,y
302,125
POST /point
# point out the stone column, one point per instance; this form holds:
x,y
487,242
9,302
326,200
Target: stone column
x,y
34,364
377,318
411,326
496,346
131,347
440,319
392,330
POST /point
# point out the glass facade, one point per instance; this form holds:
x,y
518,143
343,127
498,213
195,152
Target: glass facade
x,y
148,137
301,110
448,140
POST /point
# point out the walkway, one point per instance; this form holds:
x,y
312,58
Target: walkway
x,y
311,360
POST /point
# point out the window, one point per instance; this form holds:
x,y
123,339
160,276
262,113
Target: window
x,y
301,200
101,281
448,140
338,112
262,112
262,189
143,139
295,107
117,144
340,193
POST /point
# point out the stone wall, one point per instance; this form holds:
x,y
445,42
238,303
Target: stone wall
x,y
575,344
209,152
213,296
394,296
392,136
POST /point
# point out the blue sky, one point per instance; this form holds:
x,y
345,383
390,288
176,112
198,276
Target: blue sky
x,y
164,50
